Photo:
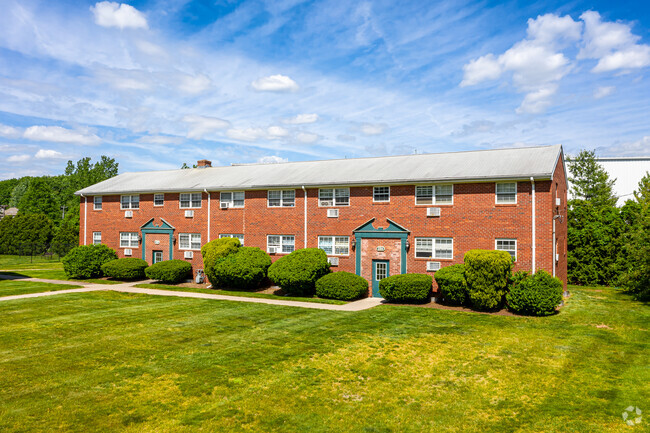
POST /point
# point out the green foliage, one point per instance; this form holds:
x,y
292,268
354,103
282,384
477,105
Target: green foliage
x,y
535,295
65,239
215,251
6,186
642,194
38,198
25,234
84,173
406,288
169,271
18,191
86,261
487,273
298,272
589,180
343,286
636,276
244,269
452,284
128,268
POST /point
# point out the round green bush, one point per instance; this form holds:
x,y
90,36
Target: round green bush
x,y
343,286
244,269
535,295
298,272
128,268
215,251
169,271
86,261
406,288
452,284
487,273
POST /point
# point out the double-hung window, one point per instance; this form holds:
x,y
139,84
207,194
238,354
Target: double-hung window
x,y
283,244
434,194
434,248
189,241
230,235
128,240
190,200
507,245
130,202
282,198
97,238
233,198
97,202
506,192
334,197
158,199
381,194
334,245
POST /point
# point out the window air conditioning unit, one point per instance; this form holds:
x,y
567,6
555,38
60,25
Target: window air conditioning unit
x,y
433,266
273,250
128,214
433,211
557,257
189,254
332,213
224,205
558,201
128,252
334,261
189,214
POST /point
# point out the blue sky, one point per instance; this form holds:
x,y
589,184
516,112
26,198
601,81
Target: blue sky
x,y
158,83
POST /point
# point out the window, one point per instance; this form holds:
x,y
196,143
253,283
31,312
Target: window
x,y
381,193
189,241
130,202
434,194
334,245
284,244
228,235
158,199
283,198
508,245
434,248
334,197
234,198
97,238
506,192
190,200
129,240
381,271
97,202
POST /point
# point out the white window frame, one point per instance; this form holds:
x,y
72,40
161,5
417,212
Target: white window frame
x,y
131,240
163,199
131,202
435,194
283,241
97,202
192,199
496,246
496,193
190,241
336,243
97,238
434,248
231,200
282,192
375,193
334,197
232,235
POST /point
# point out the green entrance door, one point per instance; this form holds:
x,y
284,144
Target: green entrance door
x,y
157,257
379,272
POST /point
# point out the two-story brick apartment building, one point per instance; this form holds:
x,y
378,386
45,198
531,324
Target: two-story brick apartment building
x,y
373,216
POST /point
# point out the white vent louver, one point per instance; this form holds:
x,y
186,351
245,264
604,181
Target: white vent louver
x,y
558,201
128,214
224,205
128,252
433,266
273,250
334,261
433,211
189,214
189,254
332,213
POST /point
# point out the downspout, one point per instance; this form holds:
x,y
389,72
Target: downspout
x,y
305,191
206,191
554,246
85,217
532,183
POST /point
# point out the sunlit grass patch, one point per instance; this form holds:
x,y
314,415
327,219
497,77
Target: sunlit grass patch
x,y
12,287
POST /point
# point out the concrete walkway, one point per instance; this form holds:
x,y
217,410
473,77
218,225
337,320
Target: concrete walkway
x,y
359,305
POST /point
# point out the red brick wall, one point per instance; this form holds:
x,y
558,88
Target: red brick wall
x,y
392,252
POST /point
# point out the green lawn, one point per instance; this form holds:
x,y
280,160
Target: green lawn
x,y
56,274
10,288
8,262
245,294
106,361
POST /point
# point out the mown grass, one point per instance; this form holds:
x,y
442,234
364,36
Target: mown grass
x,y
107,361
245,294
11,262
12,287
56,274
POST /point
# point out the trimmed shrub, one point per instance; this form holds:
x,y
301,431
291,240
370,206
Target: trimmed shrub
x,y
487,273
215,251
86,261
298,272
343,286
535,295
169,271
244,269
128,268
406,288
452,284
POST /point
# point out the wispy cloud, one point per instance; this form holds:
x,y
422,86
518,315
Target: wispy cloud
x,y
57,134
111,14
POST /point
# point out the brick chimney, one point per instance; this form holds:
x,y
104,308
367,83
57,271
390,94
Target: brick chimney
x,y
202,163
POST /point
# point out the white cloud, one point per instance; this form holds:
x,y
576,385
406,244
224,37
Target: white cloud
x,y
271,159
48,154
18,158
199,126
603,91
301,119
484,68
553,29
248,134
373,128
639,147
194,84
111,14
160,139
9,131
537,101
307,137
277,132
150,48
275,83
56,134
636,56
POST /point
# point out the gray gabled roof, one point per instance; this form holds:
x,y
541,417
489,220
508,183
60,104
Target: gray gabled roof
x,y
515,163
